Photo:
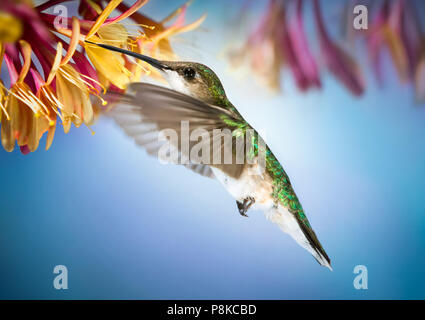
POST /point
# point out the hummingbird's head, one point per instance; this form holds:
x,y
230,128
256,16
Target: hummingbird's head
x,y
193,79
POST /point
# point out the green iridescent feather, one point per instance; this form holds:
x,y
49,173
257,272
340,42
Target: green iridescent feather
x,y
282,188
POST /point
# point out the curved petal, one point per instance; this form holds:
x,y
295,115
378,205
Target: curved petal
x,y
103,16
26,53
73,42
341,65
56,63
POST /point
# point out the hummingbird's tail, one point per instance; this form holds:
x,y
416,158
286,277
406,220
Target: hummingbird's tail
x,y
301,233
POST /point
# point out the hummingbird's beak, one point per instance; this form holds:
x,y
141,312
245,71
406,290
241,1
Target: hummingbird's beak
x,y
153,62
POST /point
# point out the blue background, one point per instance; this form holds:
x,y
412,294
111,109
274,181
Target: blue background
x,y
129,227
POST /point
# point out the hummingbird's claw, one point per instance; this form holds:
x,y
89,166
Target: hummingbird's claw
x,y
241,208
244,206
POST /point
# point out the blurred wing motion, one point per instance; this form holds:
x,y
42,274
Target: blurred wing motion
x,y
145,110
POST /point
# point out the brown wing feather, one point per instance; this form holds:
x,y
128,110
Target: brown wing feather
x,y
147,109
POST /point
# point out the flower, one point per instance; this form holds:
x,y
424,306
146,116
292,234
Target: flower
x,y
262,47
110,65
10,28
386,31
339,63
397,28
155,38
23,110
298,54
46,85
279,40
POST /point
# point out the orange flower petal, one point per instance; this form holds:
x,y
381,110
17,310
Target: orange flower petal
x,y
109,65
73,42
34,133
26,52
7,136
56,63
176,12
175,30
398,52
22,126
50,135
65,97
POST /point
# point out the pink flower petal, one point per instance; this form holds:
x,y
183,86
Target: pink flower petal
x,y
338,62
25,149
297,40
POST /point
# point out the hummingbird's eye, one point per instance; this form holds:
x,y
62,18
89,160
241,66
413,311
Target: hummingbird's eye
x,y
189,73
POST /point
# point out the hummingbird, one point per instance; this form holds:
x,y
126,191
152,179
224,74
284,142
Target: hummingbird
x,y
196,95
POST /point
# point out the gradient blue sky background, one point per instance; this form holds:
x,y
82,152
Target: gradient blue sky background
x,y
129,227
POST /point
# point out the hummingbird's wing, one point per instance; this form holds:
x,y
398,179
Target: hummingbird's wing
x,y
145,110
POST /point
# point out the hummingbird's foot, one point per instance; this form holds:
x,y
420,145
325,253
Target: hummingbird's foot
x,y
241,208
244,206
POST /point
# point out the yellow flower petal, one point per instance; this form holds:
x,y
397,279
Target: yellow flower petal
x,y
48,98
114,34
95,6
176,12
7,136
56,63
10,28
74,97
193,25
66,99
50,136
73,42
22,125
110,65
133,9
175,30
26,52
2,102
34,132
87,111
101,19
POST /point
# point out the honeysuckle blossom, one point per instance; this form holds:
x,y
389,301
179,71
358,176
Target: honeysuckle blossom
x,y
279,40
338,62
299,56
262,47
22,109
397,28
386,32
52,79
